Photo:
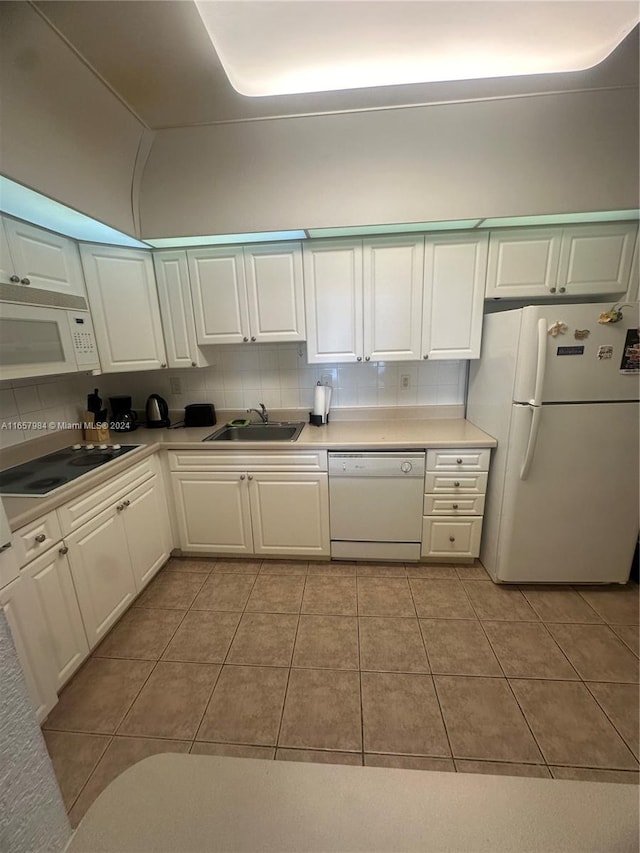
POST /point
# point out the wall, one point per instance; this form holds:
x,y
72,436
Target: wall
x,y
57,399
32,814
544,153
278,376
63,132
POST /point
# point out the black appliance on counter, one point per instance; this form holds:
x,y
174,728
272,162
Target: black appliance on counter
x,y
47,473
157,412
199,415
123,418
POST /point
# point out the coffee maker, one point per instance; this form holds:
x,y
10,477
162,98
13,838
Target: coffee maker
x,y
123,418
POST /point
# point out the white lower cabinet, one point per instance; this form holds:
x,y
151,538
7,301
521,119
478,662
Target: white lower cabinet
x,y
223,508
102,573
116,554
290,513
451,537
455,483
28,627
146,524
213,512
50,576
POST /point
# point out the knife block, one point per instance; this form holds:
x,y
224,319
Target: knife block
x,y
95,431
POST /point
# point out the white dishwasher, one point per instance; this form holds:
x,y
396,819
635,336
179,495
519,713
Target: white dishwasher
x,y
375,505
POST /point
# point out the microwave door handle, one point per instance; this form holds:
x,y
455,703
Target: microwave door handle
x,y
536,415
541,364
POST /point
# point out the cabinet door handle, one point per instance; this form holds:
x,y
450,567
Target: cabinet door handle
x,y
455,506
193,364
120,507
41,537
242,476
126,503
452,539
253,338
64,550
459,461
25,281
15,279
552,290
425,356
367,358
456,482
359,358
563,290
245,340
249,476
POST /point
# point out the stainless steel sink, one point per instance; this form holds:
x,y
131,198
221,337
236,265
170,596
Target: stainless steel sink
x,y
258,432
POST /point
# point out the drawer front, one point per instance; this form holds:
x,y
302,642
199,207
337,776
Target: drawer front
x,y
197,460
35,538
451,537
82,509
453,505
451,484
466,459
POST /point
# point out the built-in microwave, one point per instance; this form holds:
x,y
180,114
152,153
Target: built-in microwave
x,y
42,339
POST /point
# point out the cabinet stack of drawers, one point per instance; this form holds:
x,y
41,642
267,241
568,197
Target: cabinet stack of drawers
x,y
455,486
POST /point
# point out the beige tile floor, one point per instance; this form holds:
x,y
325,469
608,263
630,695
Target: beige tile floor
x,y
431,668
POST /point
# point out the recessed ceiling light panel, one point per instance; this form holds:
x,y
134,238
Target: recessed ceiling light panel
x,y
283,47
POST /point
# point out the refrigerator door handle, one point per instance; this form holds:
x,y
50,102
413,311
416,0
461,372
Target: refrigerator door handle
x,y
536,414
541,363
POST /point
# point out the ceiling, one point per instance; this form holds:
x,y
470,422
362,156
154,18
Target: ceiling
x,y
157,57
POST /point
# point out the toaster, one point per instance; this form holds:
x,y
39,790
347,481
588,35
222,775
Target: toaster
x,y
199,415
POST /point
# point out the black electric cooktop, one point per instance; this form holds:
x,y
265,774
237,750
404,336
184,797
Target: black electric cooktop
x,y
47,473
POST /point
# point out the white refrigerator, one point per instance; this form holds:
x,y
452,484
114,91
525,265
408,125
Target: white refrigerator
x,y
559,391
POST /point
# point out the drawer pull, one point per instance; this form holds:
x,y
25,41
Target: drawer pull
x,y
455,506
126,503
456,482
120,507
41,537
452,539
459,461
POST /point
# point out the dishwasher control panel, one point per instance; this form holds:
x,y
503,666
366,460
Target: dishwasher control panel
x,y
373,464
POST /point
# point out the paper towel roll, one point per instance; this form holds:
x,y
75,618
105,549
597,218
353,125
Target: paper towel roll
x,y
318,400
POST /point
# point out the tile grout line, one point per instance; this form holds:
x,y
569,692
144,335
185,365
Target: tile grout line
x,y
433,684
222,665
293,651
362,752
604,711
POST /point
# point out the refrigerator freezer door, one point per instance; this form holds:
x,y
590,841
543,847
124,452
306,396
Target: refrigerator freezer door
x,y
578,368
575,518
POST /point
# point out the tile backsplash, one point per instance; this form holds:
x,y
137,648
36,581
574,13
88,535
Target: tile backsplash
x,y
278,375
29,407
239,377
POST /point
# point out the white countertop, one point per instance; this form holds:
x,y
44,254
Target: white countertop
x,y
173,803
345,435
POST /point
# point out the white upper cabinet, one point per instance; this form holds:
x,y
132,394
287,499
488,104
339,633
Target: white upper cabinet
x,y
31,256
523,262
392,275
275,293
454,275
250,295
174,293
333,300
596,258
364,299
124,305
578,260
219,295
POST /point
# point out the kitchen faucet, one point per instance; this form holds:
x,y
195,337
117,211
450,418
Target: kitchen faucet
x,y
264,415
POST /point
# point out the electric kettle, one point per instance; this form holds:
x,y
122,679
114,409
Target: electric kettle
x,y
157,412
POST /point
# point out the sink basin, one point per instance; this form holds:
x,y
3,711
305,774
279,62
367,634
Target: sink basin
x,y
258,432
